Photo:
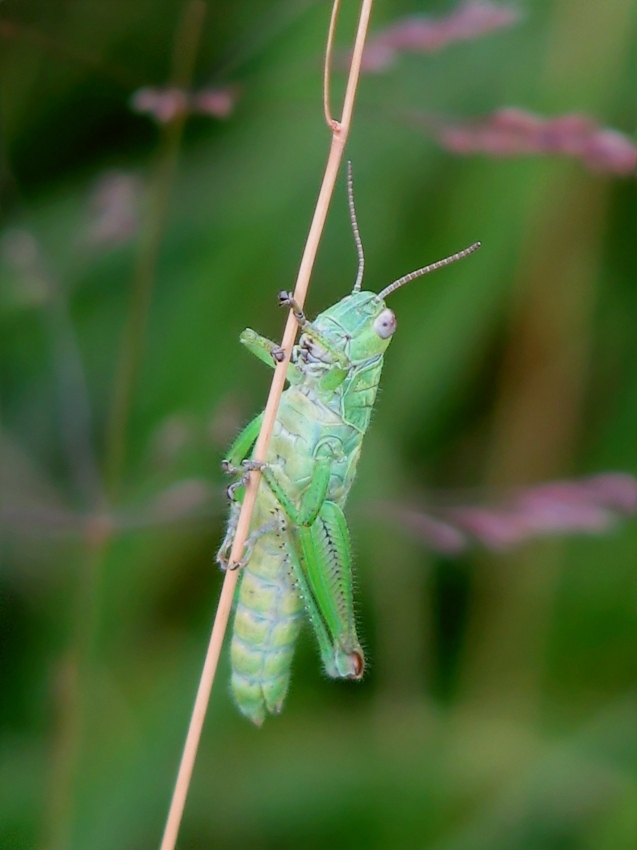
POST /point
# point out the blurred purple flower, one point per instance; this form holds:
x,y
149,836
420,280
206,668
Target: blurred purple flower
x,y
425,34
216,102
166,104
587,505
162,104
515,132
114,208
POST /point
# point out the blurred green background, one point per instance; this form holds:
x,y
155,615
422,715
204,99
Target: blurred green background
x,y
499,710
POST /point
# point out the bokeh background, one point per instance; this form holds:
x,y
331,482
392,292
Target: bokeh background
x,y
499,709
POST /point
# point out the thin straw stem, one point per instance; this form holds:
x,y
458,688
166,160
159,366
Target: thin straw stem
x,y
134,335
340,132
73,722
328,65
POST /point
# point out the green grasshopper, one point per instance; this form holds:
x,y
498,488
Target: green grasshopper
x,y
297,558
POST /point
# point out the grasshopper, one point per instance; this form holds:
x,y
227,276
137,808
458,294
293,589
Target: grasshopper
x,y
297,558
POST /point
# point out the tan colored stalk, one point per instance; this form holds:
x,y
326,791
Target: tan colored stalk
x,y
340,132
328,67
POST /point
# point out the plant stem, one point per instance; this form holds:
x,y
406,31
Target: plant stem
x,y
132,347
340,131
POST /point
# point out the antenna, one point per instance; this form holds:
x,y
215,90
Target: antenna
x,y
357,236
426,269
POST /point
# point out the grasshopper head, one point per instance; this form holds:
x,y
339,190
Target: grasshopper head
x,y
361,325
364,324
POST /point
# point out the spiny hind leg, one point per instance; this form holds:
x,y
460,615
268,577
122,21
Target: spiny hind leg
x,y
304,590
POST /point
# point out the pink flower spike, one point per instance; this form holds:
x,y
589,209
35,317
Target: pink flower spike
x,y
216,102
166,104
590,505
162,104
618,490
425,34
609,150
515,132
437,535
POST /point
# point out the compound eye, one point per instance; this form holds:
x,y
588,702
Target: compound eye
x,y
385,323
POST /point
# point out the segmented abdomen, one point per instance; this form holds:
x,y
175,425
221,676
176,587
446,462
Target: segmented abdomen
x,y
266,625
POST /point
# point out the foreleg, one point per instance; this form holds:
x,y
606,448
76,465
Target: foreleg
x,y
240,449
268,352
286,300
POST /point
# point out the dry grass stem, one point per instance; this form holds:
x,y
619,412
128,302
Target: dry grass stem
x,y
72,718
340,132
134,334
328,66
